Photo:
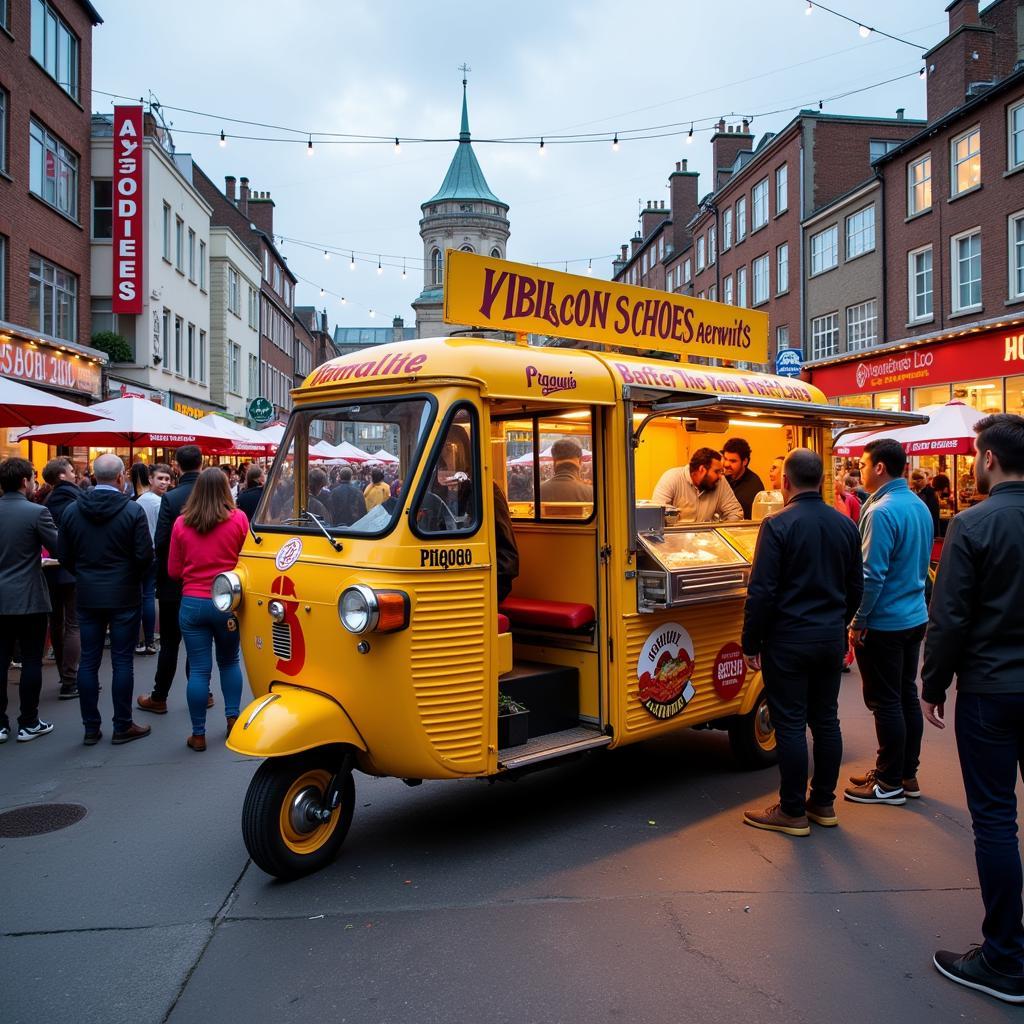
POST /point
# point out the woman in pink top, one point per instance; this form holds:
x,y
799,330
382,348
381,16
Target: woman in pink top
x,y
205,541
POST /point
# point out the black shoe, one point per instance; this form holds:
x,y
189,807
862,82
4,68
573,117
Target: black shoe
x,y
133,732
92,738
972,969
69,691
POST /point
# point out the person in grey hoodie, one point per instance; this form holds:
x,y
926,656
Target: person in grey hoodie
x,y
105,543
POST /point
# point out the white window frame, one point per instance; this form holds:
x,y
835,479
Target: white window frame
x,y
179,343
782,269
700,254
741,286
1015,136
202,265
712,245
58,297
3,277
234,293
234,368
712,293
54,46
179,245
956,163
202,356
820,252
687,271
759,205
954,270
915,317
741,219
1015,254
727,229
862,325
781,189
192,255
63,198
727,294
97,208
924,182
167,233
5,103
782,337
858,242
192,352
165,346
823,328
760,279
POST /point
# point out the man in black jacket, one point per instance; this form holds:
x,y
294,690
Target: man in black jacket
x,y
249,499
976,632
346,501
59,473
104,542
168,591
805,587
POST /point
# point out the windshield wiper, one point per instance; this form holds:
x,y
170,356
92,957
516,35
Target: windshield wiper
x,y
306,514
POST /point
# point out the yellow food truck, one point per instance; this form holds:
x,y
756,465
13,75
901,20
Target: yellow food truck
x,y
396,637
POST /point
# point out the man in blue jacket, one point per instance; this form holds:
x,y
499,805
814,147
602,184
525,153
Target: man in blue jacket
x,y
896,538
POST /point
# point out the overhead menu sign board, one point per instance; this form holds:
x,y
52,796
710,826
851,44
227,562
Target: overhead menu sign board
x,y
496,294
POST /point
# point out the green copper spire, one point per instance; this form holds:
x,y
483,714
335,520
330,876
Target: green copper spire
x,y
464,130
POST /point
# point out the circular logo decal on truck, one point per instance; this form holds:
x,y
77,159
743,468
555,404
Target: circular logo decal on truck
x,y
664,669
289,554
729,671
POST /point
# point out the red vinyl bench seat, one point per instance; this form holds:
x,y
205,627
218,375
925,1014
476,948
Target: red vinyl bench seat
x,y
559,615
504,626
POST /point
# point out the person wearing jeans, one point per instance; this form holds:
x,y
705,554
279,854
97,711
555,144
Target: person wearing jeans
x,y
93,624
205,541
150,500
59,473
886,633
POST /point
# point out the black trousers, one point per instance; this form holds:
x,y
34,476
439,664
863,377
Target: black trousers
x,y
888,665
801,681
170,641
29,631
990,742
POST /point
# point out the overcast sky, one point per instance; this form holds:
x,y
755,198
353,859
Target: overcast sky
x,y
538,68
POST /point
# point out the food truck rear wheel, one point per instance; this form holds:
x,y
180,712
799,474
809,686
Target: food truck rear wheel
x,y
752,737
279,817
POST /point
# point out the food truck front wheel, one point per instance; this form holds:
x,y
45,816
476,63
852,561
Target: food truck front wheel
x,y
752,736
298,810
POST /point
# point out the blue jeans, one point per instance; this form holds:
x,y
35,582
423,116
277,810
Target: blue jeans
x,y
149,605
124,630
204,628
990,742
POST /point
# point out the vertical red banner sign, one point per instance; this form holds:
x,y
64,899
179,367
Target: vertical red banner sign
x,y
127,212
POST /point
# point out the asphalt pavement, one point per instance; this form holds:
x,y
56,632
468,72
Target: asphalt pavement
x,y
622,886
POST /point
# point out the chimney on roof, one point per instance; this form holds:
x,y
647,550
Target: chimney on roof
x,y
634,243
397,328
682,203
967,54
229,188
624,252
725,147
243,196
650,218
261,211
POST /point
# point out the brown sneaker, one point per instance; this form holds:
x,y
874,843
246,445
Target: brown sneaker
x,y
911,789
133,732
197,743
231,723
150,703
772,819
822,814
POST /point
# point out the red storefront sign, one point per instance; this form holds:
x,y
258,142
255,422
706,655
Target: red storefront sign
x,y
985,354
127,213
49,367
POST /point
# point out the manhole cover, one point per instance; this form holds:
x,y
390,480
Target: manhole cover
x,y
37,819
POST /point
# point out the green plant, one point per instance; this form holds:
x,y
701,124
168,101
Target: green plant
x,y
116,346
508,706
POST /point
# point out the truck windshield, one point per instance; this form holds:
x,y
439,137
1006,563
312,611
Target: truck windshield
x,y
347,468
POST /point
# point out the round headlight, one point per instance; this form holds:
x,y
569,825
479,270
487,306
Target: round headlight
x,y
226,591
276,609
357,609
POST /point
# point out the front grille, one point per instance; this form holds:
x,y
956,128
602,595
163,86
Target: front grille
x,y
281,633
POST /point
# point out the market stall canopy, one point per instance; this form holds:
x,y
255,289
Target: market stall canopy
x,y
350,453
949,431
272,433
24,406
238,439
131,423
382,456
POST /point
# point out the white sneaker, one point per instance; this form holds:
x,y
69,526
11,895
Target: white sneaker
x,y
32,732
5,733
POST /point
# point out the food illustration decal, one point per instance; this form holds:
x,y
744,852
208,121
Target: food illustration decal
x,y
665,669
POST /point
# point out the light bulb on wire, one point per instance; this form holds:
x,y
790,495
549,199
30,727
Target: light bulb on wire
x,y
810,8
309,146
352,262
403,270
590,266
344,301
372,314
380,269
398,146
689,134
223,140
321,293
327,255
541,149
864,31
615,143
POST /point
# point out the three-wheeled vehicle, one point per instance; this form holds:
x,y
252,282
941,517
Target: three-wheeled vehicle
x,y
371,626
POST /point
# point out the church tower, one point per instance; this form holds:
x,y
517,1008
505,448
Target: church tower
x,y
464,214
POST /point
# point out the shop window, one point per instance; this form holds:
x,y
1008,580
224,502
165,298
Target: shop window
x,y
938,395
888,401
855,401
984,395
1015,395
563,473
965,161
448,502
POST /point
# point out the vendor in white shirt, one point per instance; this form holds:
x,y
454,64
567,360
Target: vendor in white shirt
x,y
698,490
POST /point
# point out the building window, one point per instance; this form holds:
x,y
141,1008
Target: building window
x,y
877,148
191,351
266,265
761,282
741,218
741,286
3,121
278,280
179,244
3,277
254,315
727,229
643,263
861,325
919,276
781,338
495,254
254,376
1016,249
687,271
179,329
965,161
52,299
824,250
712,246
712,293
781,189
759,205
919,185
191,255
55,46
167,233
53,170
436,267
202,357
727,295
782,268
824,335
5,14
700,254
202,266
165,341
102,208
860,232
966,268
661,248
234,294
234,368
1014,136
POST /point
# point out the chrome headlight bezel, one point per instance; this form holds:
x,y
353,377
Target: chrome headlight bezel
x,y
363,612
226,591
276,610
